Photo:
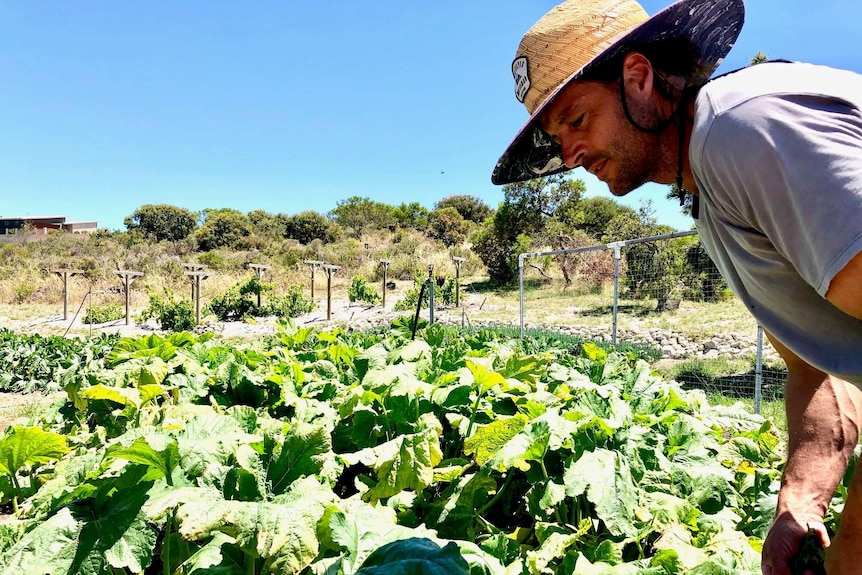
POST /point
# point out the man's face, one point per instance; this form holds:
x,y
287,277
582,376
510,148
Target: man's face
x,y
588,122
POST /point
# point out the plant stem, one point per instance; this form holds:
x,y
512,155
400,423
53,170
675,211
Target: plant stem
x,y
499,494
166,561
473,415
17,489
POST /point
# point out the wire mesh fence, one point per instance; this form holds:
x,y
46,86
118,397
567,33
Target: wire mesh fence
x,y
660,291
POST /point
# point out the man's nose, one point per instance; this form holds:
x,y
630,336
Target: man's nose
x,y
573,153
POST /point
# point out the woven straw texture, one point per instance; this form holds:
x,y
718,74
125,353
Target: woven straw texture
x,y
568,37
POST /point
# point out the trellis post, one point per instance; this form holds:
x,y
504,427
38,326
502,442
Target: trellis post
x,y
330,271
192,267
197,277
314,264
64,274
127,277
458,261
259,269
385,264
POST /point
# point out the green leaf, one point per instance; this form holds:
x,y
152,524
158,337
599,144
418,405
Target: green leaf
x,y
164,460
120,395
87,540
282,532
29,446
406,462
415,556
489,439
210,560
305,449
606,478
485,379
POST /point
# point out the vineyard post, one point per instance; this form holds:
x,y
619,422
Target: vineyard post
x,y
430,294
127,277
314,265
330,271
197,277
458,261
260,269
191,267
385,264
64,274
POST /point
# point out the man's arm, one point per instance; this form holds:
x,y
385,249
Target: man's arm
x,y
823,418
845,289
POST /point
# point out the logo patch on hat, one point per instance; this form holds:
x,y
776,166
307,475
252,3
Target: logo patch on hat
x,y
521,72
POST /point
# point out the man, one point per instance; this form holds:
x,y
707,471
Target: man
x,y
772,156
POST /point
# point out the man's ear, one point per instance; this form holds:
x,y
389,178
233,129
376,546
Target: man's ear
x,y
637,74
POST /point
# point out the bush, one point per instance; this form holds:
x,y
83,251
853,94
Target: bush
x,y
172,314
360,290
240,302
294,304
103,313
444,294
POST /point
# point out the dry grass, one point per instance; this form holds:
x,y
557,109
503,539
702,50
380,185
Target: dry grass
x,y
553,304
29,290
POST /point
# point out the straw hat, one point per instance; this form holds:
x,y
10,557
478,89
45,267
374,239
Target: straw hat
x,y
580,35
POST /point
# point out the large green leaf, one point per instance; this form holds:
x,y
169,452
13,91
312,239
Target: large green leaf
x,y
211,560
282,532
406,462
87,538
415,556
163,458
305,449
489,439
29,446
607,481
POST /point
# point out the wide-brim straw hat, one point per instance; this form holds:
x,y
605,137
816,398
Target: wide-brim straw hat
x,y
580,35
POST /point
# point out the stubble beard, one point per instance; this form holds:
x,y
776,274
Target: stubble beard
x,y
635,153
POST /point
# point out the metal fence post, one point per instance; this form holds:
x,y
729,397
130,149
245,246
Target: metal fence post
x,y
758,370
616,246
430,294
521,290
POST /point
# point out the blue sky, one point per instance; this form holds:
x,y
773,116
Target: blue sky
x,y
294,105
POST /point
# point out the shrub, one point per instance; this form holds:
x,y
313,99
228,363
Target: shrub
x,y
360,290
103,313
172,314
293,304
444,294
240,301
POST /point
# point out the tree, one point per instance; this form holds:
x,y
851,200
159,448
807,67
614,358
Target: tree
x,y
223,227
654,269
267,224
413,216
160,222
594,214
522,219
448,226
308,226
471,208
358,214
759,58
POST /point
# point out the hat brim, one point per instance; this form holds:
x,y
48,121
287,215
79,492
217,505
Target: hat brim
x,y
710,26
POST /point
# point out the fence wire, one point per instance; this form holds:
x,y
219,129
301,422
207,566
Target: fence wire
x,y
660,292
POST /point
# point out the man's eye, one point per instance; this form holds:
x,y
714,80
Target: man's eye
x,y
577,123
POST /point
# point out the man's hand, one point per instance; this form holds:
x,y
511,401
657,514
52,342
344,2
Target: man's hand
x,y
784,543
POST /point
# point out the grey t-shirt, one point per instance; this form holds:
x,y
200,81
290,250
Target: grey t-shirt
x,y
776,152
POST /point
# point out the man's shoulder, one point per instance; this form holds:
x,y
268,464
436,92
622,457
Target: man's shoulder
x,y
742,86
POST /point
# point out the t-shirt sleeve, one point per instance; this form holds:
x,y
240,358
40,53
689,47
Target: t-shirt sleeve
x,y
790,167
